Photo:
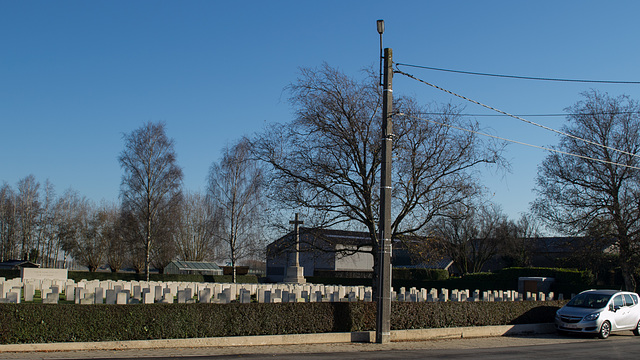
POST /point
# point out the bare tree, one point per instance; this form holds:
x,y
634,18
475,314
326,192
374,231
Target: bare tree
x,y
45,238
118,248
151,184
194,235
132,231
28,205
235,190
165,249
518,247
67,222
8,223
471,235
601,184
87,232
328,159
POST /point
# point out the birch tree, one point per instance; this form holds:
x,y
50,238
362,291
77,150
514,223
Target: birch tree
x,y
235,191
151,184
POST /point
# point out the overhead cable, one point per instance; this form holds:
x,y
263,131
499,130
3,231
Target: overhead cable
x,y
514,116
519,142
540,115
521,77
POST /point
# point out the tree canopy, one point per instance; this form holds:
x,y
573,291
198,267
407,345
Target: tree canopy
x,y
327,160
598,187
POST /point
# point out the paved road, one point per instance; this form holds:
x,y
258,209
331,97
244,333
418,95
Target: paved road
x,y
623,346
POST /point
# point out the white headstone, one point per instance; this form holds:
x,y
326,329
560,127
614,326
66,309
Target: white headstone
x,y
122,298
43,274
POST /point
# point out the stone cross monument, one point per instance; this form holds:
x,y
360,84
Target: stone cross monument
x,y
295,273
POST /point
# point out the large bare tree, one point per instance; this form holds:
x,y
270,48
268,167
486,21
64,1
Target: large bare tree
x,y
151,184
235,191
327,160
599,187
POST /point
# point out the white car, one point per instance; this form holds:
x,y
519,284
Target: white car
x,y
600,312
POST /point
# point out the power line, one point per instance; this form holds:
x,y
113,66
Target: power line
x,y
520,77
538,115
519,142
514,116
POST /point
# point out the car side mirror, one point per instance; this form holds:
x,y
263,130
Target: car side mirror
x,y
612,308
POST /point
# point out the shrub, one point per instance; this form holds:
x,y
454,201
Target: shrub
x,y
420,274
42,323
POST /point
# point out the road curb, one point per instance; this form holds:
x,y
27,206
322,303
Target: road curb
x,y
294,339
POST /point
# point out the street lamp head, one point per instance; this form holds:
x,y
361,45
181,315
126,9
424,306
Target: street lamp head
x,y
380,24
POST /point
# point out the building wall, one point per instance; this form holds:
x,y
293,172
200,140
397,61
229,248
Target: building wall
x,y
313,256
359,261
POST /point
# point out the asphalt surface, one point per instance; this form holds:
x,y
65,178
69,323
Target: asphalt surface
x,y
551,346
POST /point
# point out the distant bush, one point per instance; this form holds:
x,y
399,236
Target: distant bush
x,y
44,323
420,274
567,276
9,274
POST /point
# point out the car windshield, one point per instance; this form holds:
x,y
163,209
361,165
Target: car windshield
x,y
590,300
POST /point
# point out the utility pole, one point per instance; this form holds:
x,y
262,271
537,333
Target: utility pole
x,y
383,314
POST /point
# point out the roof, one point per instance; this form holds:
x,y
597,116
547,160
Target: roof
x,y
438,264
320,238
567,244
342,237
604,292
195,265
16,264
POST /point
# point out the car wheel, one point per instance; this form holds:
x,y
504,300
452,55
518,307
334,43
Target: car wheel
x,y
636,331
605,330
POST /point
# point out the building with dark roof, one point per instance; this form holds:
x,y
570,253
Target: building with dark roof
x,y
17,264
326,252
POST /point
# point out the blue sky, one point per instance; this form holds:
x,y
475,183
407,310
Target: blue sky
x,y
76,75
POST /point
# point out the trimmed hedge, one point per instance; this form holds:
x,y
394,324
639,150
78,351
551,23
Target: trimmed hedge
x,y
44,323
9,274
420,274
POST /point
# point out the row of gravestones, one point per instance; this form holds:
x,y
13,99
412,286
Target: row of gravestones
x,y
120,292
421,295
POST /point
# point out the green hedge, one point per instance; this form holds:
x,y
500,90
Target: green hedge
x,y
44,323
420,274
9,274
567,281
566,276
